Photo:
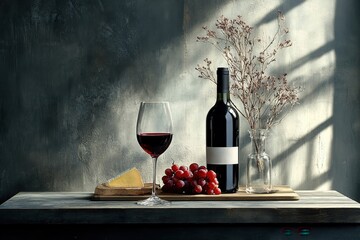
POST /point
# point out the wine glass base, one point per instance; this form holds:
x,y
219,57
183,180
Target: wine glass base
x,y
153,201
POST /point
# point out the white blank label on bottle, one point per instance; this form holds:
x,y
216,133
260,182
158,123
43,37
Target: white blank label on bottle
x,y
222,155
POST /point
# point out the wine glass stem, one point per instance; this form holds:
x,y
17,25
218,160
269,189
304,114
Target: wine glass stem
x,y
154,176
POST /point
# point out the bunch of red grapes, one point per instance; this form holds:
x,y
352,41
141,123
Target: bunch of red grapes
x,y
194,179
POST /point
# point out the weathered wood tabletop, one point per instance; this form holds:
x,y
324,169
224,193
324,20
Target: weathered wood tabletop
x,y
319,211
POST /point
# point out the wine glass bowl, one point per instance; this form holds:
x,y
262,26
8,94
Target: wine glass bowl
x,y
154,143
154,134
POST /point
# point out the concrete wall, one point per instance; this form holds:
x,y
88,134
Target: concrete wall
x,y
72,75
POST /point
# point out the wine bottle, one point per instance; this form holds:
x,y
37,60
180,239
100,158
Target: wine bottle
x,y
222,136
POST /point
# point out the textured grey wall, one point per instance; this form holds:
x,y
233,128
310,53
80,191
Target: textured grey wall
x,y
72,75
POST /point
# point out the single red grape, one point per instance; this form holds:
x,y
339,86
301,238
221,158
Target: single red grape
x,y
180,184
211,185
184,168
211,175
169,172
198,189
201,182
175,167
201,173
187,174
179,174
217,191
193,167
165,179
202,167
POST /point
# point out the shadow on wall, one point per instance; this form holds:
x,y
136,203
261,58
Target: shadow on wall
x,y
63,64
346,141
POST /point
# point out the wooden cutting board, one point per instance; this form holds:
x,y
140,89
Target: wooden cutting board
x,y
104,190
280,193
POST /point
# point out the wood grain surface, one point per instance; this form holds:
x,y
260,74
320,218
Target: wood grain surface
x,y
325,207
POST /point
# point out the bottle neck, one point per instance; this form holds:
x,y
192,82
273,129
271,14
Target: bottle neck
x,y
223,93
223,97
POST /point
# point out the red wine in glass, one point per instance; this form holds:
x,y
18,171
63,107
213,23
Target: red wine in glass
x,y
154,143
154,134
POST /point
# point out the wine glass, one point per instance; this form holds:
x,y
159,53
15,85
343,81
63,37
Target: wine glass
x,y
154,134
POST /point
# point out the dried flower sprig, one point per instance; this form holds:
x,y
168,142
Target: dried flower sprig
x,y
264,98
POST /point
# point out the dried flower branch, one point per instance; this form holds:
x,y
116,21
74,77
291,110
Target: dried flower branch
x,y
265,99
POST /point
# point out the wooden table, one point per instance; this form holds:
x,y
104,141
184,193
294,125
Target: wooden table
x,y
73,215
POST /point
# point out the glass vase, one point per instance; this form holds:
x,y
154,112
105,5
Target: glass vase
x,y
258,169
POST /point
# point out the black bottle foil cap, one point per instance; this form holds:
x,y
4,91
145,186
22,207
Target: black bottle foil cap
x,y
222,80
222,70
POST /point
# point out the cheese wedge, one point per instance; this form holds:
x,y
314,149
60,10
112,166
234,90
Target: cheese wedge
x,y
130,178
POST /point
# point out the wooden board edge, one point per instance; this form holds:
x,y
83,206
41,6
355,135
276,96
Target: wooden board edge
x,y
285,193
132,198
